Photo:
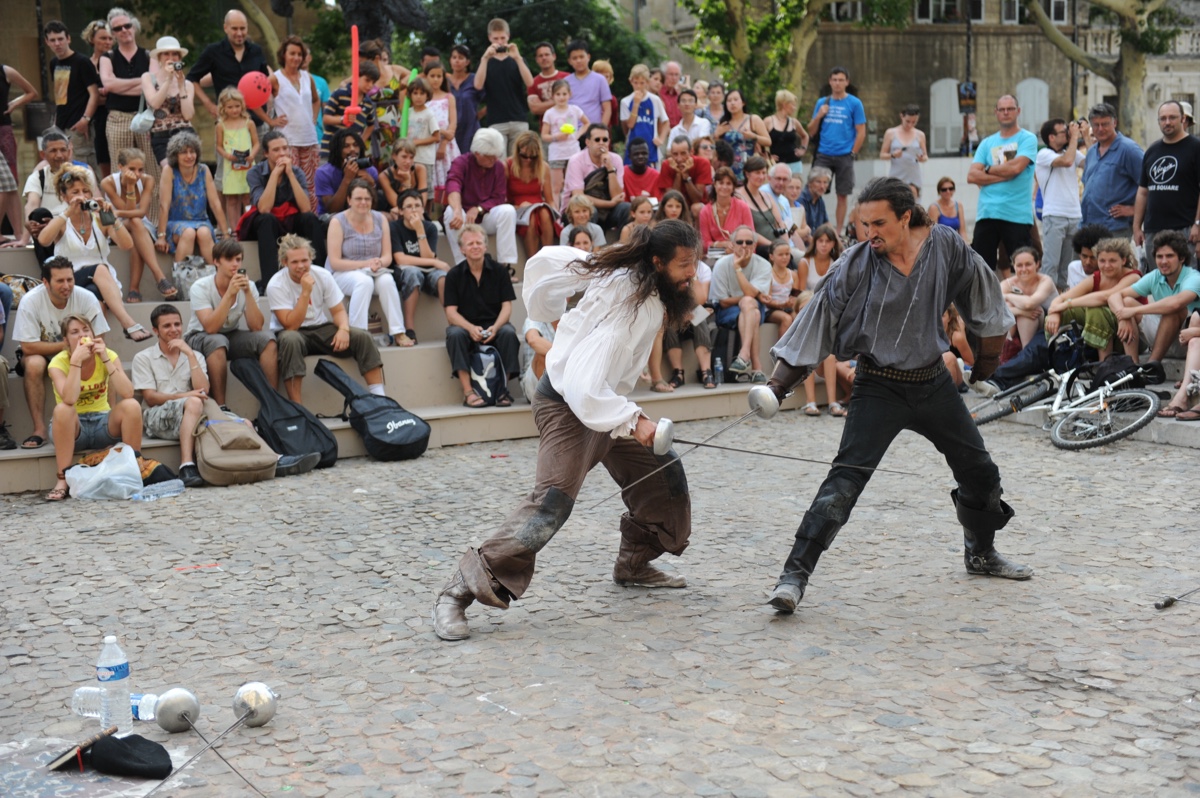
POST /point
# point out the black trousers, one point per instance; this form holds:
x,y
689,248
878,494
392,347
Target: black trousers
x,y
879,410
459,345
267,230
989,233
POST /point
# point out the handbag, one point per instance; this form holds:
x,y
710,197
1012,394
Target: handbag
x,y
143,120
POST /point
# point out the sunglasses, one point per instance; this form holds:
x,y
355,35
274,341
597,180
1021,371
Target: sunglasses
x,y
745,242
600,141
119,28
706,146
944,189
524,156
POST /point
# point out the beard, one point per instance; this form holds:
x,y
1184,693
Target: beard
x,y
678,304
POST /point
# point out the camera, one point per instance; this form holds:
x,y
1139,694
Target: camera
x,y
90,205
1081,121
363,163
501,48
177,66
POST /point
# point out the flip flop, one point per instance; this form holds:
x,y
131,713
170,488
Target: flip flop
x,y
58,494
661,386
1188,415
1171,411
137,333
33,442
412,336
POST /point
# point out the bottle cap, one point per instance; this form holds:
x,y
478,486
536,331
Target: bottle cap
x,y
110,639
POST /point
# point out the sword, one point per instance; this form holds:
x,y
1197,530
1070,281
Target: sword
x,y
708,445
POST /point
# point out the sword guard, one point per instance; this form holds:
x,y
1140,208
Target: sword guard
x,y
664,436
763,401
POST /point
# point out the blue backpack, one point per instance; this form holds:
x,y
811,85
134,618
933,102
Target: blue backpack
x,y
487,374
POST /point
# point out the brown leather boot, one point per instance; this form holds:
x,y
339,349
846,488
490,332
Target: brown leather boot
x,y
449,610
633,569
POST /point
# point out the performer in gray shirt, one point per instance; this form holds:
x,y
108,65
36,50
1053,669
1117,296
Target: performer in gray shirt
x,y
883,304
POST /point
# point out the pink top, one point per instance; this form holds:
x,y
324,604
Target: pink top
x,y
711,230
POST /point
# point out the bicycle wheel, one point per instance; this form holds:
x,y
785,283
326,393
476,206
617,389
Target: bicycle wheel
x,y
1124,413
1005,404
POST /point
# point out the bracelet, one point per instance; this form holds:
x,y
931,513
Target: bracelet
x,y
75,365
161,235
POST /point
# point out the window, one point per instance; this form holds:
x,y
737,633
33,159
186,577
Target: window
x,y
1012,12
945,123
947,10
844,12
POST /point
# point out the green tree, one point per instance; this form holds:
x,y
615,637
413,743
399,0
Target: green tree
x,y
1146,27
594,21
762,45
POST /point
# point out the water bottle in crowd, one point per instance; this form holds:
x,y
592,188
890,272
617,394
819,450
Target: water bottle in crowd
x,y
112,671
86,702
160,490
719,372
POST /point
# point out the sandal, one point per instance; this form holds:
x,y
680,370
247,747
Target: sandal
x,y
1188,415
58,494
134,297
403,340
662,386
504,400
1171,411
836,409
676,378
811,409
137,333
412,336
473,399
33,442
512,273
167,289
707,378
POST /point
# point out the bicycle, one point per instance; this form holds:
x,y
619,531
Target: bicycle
x,y
1079,416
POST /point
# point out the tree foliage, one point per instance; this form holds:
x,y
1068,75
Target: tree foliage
x,y
761,46
533,21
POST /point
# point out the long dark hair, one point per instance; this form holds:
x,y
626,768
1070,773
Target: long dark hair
x,y
338,141
899,197
662,241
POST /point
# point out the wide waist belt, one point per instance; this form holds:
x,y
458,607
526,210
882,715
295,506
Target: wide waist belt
x,y
924,374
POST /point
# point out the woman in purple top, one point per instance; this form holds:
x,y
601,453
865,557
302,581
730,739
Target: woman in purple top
x,y
461,84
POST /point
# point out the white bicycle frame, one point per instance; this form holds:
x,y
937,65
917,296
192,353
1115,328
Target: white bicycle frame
x,y
1060,405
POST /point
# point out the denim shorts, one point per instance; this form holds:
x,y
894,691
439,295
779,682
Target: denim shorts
x,y
728,317
93,432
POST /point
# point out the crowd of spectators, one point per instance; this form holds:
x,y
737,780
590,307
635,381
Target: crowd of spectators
x,y
344,209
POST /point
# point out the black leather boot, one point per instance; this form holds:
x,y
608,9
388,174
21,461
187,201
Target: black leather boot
x,y
979,534
813,537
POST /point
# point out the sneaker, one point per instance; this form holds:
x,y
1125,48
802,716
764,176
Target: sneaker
x,y
985,387
758,378
739,365
190,476
290,465
6,440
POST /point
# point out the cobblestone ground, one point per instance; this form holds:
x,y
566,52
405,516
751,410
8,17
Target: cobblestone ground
x,y
899,674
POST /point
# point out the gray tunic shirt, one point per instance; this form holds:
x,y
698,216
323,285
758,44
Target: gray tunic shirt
x,y
867,307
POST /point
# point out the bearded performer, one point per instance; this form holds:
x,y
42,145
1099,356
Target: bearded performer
x,y
584,417
883,304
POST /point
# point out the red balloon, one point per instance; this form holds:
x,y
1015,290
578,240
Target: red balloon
x,y
255,88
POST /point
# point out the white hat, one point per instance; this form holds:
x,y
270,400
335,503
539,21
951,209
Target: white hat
x,y
1187,110
168,44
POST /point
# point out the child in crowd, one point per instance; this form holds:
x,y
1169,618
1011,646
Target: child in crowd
x,y
423,131
673,206
237,143
339,101
579,213
403,174
643,114
130,190
581,239
562,126
445,110
641,211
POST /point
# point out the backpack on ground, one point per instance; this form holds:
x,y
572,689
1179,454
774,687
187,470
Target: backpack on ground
x,y
188,271
287,427
1115,367
389,432
488,376
228,451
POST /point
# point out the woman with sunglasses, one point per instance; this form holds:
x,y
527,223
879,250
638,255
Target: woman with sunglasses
x,y
947,210
530,192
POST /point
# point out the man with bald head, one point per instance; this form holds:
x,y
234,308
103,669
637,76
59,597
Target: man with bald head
x,y
1003,170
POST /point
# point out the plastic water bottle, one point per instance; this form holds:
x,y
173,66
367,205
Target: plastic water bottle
x,y
160,490
112,671
719,372
87,703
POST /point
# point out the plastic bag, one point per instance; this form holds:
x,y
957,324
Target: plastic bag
x,y
117,476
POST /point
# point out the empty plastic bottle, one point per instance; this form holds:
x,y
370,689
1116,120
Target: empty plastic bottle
x,y
719,372
112,671
160,490
87,703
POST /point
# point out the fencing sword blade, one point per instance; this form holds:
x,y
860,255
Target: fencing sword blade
x,y
196,756
707,445
725,428
221,756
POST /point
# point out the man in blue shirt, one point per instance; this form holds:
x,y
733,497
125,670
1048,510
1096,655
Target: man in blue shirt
x,y
841,123
1111,174
1003,170
1174,292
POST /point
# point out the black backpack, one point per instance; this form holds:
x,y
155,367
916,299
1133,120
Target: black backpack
x,y
287,427
488,376
389,432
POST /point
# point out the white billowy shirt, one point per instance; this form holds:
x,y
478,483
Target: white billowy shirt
x,y
601,344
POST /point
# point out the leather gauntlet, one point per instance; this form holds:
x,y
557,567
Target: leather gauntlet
x,y
785,378
987,355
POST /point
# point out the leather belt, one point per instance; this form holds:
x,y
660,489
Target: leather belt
x,y
924,374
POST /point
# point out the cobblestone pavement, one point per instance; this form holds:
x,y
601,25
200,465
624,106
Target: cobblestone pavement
x,y
899,673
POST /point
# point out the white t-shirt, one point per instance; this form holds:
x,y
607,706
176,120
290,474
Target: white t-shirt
x,y
50,200
700,128
725,283
1075,273
283,293
38,320
205,296
1060,185
422,125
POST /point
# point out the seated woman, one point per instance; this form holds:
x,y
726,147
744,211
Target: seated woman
x,y
719,218
130,190
80,236
402,174
1087,301
85,375
959,354
768,223
186,194
530,192
1028,294
360,258
1189,387
812,271
580,210
641,212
